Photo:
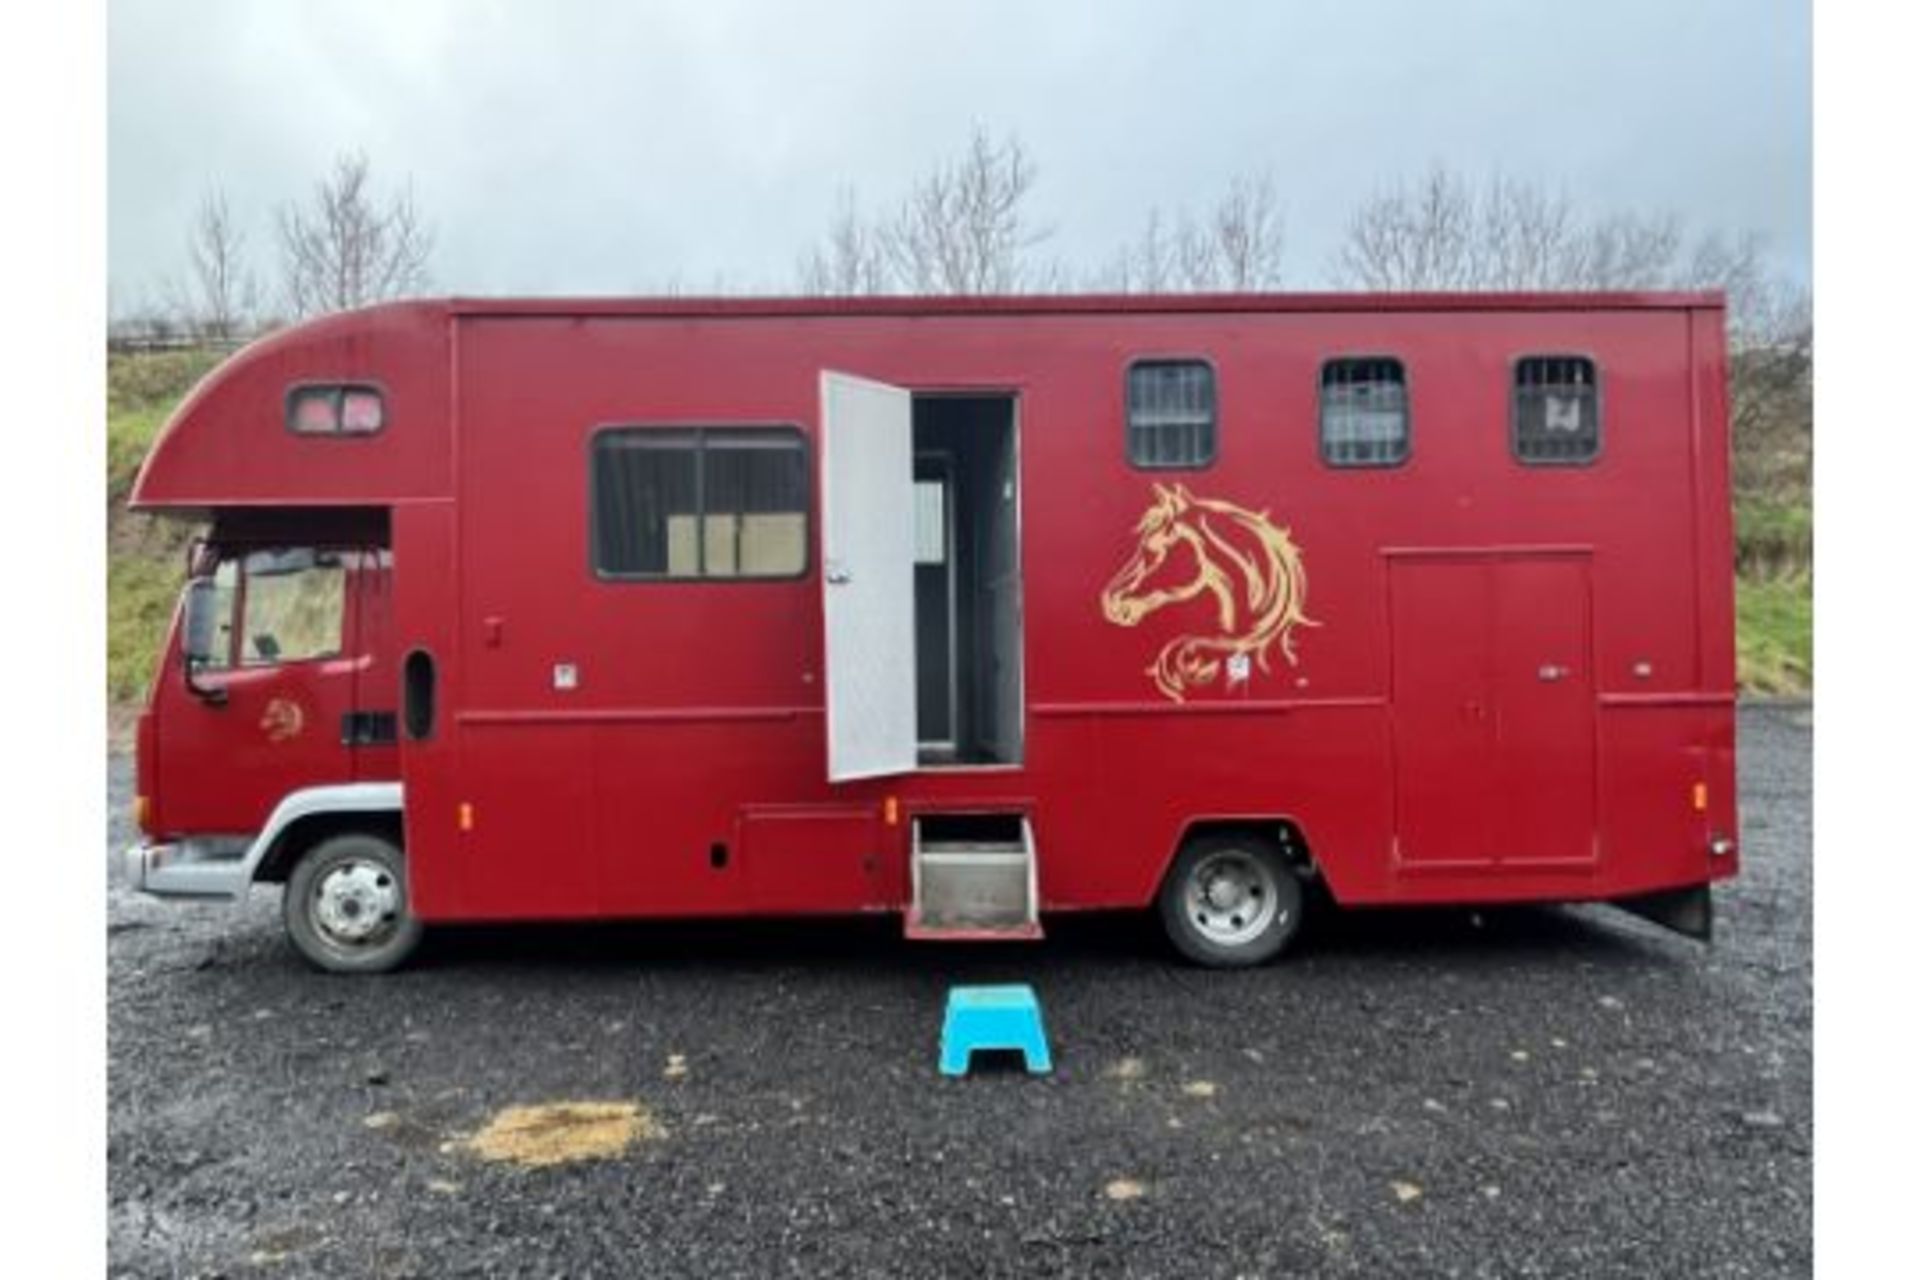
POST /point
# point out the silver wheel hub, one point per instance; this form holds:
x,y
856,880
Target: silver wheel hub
x,y
357,903
1232,897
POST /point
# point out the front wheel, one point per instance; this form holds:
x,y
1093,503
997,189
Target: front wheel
x,y
346,905
1230,901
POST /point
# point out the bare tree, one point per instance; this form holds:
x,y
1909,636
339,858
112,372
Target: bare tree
x,y
850,261
220,295
1624,251
1146,265
1237,246
962,229
1247,236
1443,233
1416,237
346,249
1770,331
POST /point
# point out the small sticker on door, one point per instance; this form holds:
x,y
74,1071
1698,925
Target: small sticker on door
x,y
566,676
282,720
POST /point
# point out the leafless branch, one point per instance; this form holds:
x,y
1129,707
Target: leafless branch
x,y
220,296
849,261
1237,246
345,250
1248,235
962,229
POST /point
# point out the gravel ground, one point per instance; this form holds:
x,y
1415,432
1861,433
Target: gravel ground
x,y
1525,1092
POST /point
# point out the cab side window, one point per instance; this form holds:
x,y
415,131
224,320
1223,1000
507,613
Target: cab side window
x,y
295,602
283,605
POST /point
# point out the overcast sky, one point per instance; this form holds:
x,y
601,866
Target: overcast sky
x,y
615,146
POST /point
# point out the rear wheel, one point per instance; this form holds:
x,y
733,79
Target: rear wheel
x,y
1230,900
346,905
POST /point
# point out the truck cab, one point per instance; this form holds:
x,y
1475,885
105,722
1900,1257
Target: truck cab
x,y
271,723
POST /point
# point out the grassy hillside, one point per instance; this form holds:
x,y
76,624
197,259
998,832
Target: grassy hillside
x,y
145,557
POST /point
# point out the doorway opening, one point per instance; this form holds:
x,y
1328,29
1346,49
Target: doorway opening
x,y
966,579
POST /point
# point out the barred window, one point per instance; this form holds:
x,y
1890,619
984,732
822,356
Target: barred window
x,y
1170,413
700,502
1556,411
1363,412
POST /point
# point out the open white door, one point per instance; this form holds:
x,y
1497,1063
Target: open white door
x,y
866,503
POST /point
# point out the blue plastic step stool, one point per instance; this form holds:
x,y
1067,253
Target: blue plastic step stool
x,y
993,1018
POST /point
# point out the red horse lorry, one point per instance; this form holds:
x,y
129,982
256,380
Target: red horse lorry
x,y
969,610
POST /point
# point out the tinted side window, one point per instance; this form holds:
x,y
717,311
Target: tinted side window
x,y
1363,413
700,503
754,512
1556,410
1170,413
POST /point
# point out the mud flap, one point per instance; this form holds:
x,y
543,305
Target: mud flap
x,y
1688,911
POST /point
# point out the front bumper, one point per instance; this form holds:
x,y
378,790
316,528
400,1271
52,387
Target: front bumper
x,y
205,869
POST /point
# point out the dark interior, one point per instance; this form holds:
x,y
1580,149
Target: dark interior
x,y
967,579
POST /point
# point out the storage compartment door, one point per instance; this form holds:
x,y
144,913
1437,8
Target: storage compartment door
x,y
1443,714
1543,688
866,501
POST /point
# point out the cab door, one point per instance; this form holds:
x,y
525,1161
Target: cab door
x,y
273,709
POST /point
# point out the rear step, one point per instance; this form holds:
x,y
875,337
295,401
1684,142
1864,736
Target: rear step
x,y
971,883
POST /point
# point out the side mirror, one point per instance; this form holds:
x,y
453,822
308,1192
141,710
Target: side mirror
x,y
202,621
200,630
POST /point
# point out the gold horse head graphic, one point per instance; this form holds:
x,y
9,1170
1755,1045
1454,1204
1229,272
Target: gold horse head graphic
x,y
1198,547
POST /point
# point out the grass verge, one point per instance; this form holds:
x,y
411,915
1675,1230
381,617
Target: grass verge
x,y
1774,618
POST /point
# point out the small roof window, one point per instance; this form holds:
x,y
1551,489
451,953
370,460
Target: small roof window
x,y
335,409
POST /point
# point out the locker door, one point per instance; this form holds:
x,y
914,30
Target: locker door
x,y
1543,702
1441,615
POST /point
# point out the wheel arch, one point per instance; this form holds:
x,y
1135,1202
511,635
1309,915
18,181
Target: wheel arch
x,y
1283,829
313,814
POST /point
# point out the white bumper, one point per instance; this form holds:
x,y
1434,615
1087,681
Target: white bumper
x,y
224,866
189,869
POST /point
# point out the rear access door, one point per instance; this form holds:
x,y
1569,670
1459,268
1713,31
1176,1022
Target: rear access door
x,y
867,527
1493,710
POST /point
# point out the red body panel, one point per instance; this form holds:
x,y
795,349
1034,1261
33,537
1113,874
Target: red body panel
x,y
1412,740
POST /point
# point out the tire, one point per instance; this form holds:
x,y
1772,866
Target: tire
x,y
345,905
1231,901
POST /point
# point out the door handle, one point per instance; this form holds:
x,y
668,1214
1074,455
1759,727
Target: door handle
x,y
838,575
1550,671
